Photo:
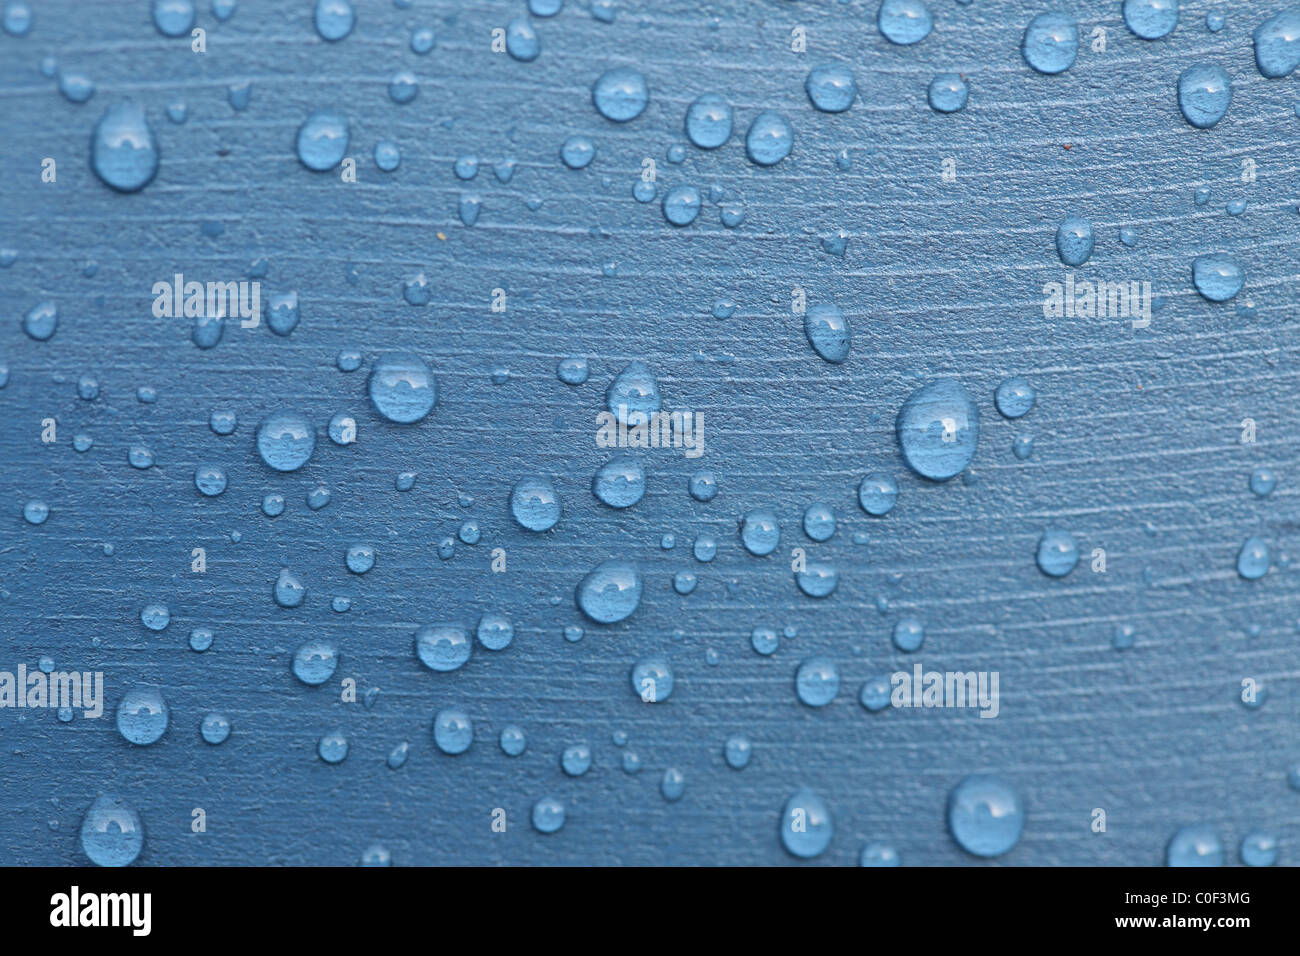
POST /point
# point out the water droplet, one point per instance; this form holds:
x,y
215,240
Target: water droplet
x,y
830,87
323,140
289,591
1277,43
652,679
819,521
875,693
738,751
1151,19
709,121
76,87
333,747
828,332
548,815
453,731
1259,848
1074,241
1204,94
817,681
610,592
215,728
1014,397
633,396
770,138
703,486
156,617
1217,276
522,41
1262,481
682,205
1197,845
111,832
672,785
578,151
572,371
818,579
878,854
576,760
535,503
35,512
173,18
512,740
938,429
620,482
764,640
909,634
1057,553
904,21
17,18
210,480
334,19
1254,560
124,151
620,94
985,816
142,715
760,532
806,827
397,756
314,661
402,388
442,647
1051,42
947,93
285,440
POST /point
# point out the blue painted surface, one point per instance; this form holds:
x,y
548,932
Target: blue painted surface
x,y
1137,434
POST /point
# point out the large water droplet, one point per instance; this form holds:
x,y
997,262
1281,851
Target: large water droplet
x,y
123,149
938,429
442,647
1074,240
453,731
314,661
620,482
770,138
1151,19
633,396
1057,553
334,19
142,715
760,532
806,827
610,592
1198,845
830,87
1217,276
1254,559
323,140
828,332
111,832
708,121
904,21
985,816
1204,94
1051,42
1277,43
535,503
402,388
285,440
817,681
620,94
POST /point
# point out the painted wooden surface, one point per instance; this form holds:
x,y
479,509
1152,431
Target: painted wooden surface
x,y
1137,434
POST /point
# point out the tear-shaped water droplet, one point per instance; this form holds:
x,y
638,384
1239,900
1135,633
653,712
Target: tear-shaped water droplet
x,y
123,148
